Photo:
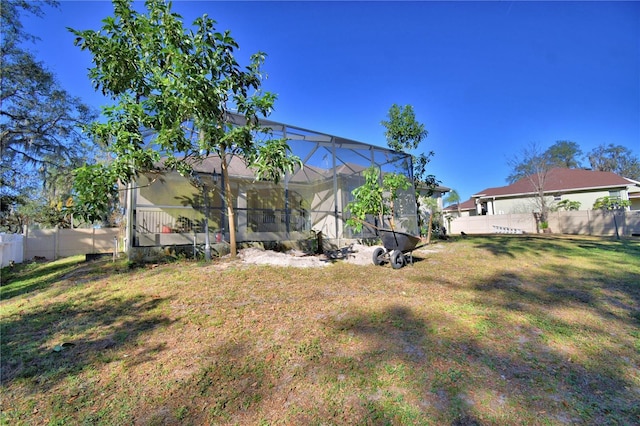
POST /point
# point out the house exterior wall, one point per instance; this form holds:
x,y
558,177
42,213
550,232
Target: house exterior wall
x,y
517,205
435,194
587,199
461,213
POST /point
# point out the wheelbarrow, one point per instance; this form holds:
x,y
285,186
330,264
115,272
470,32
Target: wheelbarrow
x,y
398,248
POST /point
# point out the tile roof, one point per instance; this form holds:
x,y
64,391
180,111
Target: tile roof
x,y
560,179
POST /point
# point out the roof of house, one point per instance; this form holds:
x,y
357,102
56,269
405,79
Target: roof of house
x,y
470,204
560,179
423,187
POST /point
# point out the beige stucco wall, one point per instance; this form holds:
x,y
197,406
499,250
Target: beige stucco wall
x,y
517,205
56,243
531,204
463,213
585,222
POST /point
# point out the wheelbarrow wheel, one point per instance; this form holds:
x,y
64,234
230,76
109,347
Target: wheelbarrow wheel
x,y
379,256
397,259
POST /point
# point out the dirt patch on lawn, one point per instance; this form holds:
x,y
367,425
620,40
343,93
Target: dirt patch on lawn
x,y
356,254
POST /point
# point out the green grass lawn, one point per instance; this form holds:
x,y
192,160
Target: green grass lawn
x,y
493,330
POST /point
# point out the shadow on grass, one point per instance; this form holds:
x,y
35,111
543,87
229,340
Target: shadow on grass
x,y
405,371
450,372
402,344
608,290
514,245
401,364
531,363
239,380
89,331
594,391
393,364
612,264
28,277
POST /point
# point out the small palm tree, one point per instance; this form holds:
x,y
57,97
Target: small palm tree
x,y
453,198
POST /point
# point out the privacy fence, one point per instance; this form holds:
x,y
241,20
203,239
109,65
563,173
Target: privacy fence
x,y
52,244
11,249
586,222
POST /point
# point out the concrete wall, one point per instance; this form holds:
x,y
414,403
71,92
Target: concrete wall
x,y
585,222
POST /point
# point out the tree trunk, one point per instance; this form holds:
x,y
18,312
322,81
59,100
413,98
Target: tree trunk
x,y
228,200
207,239
544,209
429,230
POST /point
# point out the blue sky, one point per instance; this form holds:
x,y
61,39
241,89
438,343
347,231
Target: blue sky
x,y
486,78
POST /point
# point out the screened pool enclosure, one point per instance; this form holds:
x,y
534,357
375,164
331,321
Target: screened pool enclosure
x,y
167,209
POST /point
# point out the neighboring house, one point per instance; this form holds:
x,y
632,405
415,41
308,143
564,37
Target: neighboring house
x,y
583,186
165,209
467,208
437,193
634,197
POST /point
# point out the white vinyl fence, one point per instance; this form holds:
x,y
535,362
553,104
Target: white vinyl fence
x,y
11,249
584,222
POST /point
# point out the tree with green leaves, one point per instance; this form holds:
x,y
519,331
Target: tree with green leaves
x,y
612,205
175,90
403,131
41,139
564,154
617,159
404,134
374,198
453,198
367,200
392,184
568,205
